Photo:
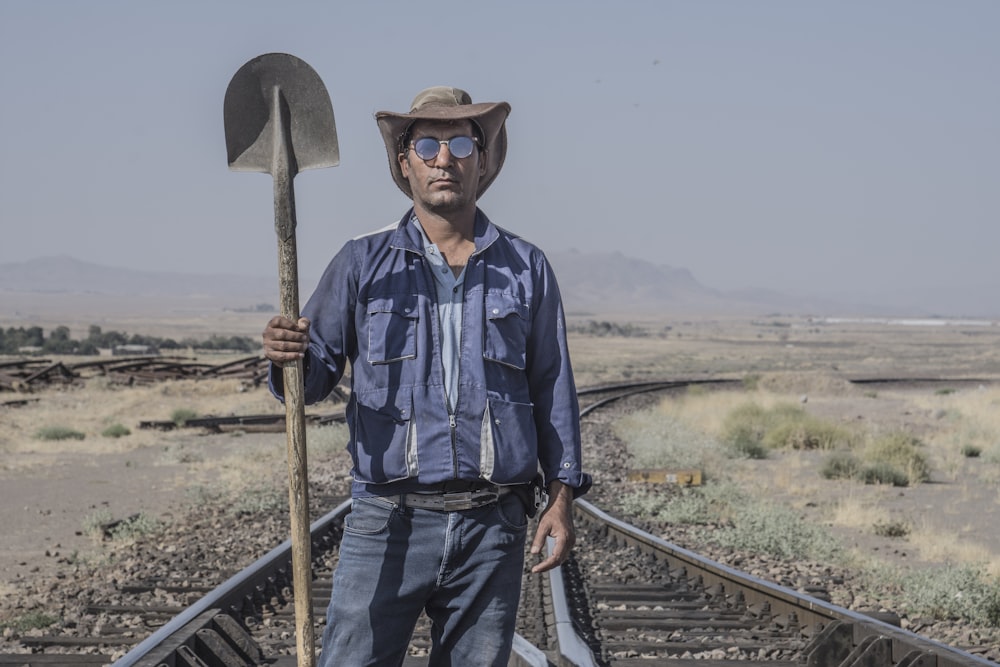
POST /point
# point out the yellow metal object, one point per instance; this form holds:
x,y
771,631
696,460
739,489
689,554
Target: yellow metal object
x,y
664,476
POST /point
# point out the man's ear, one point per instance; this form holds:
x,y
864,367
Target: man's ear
x,y
483,163
404,165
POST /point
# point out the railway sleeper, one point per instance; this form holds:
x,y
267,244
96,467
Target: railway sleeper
x,y
634,658
835,647
757,647
53,659
212,639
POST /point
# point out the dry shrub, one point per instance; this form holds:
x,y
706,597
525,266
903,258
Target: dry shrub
x,y
658,440
853,511
970,418
896,456
91,408
803,383
751,429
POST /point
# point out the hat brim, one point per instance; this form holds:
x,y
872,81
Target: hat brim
x,y
489,116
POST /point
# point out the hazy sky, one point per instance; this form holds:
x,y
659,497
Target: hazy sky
x,y
848,147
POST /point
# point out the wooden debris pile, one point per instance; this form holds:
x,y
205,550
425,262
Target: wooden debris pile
x,y
29,374
21,375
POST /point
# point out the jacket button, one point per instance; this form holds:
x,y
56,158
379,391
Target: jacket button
x,y
496,311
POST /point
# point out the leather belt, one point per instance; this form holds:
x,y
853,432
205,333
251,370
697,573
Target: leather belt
x,y
450,502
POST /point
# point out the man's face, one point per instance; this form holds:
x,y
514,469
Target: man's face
x,y
443,183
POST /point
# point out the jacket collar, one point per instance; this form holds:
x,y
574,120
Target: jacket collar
x,y
407,236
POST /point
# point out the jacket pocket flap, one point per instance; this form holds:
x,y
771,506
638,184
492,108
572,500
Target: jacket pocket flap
x,y
499,307
403,305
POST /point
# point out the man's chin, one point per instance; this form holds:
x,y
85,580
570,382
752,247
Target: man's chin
x,y
446,204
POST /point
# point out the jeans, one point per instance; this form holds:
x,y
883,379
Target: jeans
x,y
463,568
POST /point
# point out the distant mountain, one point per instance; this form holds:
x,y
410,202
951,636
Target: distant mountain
x,y
64,274
592,283
616,284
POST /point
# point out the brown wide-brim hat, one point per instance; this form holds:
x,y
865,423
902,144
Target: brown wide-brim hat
x,y
445,103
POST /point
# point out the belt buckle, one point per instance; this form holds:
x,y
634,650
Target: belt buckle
x,y
457,501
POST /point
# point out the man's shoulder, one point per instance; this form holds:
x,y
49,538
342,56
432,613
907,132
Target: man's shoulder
x,y
374,234
523,247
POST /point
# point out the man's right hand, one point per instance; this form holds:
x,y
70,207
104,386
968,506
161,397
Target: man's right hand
x,y
286,341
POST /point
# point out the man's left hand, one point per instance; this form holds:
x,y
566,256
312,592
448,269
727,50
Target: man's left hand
x,y
556,521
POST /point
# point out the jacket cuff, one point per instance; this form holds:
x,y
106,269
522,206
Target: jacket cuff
x,y
579,481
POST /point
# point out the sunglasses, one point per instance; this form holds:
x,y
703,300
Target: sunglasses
x,y
427,148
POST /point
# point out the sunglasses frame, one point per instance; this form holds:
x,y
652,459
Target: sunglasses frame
x,y
446,142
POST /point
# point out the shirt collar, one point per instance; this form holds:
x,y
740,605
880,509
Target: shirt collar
x,y
411,237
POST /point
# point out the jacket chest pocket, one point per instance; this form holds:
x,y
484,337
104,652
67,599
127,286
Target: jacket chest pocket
x,y
506,335
392,329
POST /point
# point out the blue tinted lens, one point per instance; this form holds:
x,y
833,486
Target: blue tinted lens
x,y
427,148
461,146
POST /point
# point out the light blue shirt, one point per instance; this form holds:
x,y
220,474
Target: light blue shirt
x,y
449,298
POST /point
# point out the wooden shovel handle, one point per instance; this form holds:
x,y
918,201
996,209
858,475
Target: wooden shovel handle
x,y
295,423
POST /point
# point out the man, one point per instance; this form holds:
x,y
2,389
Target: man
x,y
461,391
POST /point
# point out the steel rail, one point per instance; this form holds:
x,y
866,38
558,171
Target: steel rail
x,y
573,650
785,600
232,591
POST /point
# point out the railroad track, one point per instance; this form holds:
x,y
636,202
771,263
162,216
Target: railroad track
x,y
661,604
657,603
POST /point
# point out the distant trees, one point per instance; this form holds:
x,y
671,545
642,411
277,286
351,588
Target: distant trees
x,y
15,340
605,328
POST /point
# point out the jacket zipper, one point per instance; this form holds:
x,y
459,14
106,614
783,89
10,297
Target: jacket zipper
x,y
452,424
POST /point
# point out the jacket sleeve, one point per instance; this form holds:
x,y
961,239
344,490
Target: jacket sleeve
x,y
553,390
330,310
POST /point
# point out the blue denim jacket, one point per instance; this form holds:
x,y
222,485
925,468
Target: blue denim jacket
x,y
517,410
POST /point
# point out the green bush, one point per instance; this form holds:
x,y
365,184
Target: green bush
x,y
883,473
971,451
743,430
708,504
101,525
840,465
59,433
180,416
747,423
891,529
963,593
135,526
750,430
748,449
116,431
688,507
33,620
899,451
801,431
766,528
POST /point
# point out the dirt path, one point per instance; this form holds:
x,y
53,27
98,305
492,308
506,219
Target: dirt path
x,y
49,505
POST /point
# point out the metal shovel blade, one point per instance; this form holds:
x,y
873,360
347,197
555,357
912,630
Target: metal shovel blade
x,y
249,116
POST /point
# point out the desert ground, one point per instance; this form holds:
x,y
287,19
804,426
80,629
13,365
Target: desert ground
x,y
52,492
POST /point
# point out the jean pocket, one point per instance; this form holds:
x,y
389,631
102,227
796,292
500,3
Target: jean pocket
x,y
512,514
392,329
369,516
506,336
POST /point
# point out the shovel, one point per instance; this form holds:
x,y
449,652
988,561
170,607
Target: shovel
x,y
279,120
